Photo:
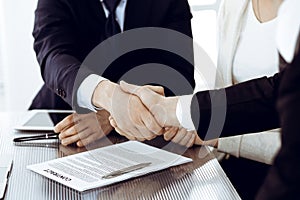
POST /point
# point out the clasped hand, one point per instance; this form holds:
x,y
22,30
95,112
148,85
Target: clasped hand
x,y
163,110
138,113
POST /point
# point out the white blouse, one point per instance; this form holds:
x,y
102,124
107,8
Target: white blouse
x,y
256,54
242,56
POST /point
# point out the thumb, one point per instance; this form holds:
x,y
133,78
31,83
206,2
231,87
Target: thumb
x,y
198,141
158,89
129,88
147,96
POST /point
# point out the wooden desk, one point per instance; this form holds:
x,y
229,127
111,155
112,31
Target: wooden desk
x,y
202,179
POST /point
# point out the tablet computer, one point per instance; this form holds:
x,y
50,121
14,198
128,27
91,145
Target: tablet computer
x,y
42,120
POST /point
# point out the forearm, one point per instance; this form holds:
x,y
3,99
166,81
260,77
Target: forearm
x,y
179,20
104,94
56,47
261,147
250,107
59,73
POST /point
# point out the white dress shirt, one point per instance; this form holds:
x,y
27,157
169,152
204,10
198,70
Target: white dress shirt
x,y
87,87
183,112
263,146
288,29
248,60
256,55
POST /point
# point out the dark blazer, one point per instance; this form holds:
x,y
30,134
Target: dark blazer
x,y
250,107
66,31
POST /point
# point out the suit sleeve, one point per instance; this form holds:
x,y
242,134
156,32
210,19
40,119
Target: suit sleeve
x,y
55,46
179,19
249,107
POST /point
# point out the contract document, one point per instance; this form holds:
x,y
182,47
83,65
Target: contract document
x,y
101,167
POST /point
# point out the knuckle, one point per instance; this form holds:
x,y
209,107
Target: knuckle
x,y
61,136
57,129
152,137
64,142
68,121
167,136
141,139
79,144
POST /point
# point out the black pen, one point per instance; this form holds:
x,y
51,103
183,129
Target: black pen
x,y
37,137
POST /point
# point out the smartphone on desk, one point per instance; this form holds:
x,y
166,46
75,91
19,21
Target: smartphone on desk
x,y
42,120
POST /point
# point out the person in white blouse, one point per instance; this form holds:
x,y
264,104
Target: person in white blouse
x,y
247,50
282,180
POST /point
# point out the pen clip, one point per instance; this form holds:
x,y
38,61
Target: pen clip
x,y
126,170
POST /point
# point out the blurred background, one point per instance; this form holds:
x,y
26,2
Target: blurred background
x,y
20,77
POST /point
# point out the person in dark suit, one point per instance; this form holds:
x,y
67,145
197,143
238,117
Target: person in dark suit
x,y
66,31
282,181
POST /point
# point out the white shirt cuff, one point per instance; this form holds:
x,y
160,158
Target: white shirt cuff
x,y
183,112
230,145
86,90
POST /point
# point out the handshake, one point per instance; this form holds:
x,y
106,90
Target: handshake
x,y
136,112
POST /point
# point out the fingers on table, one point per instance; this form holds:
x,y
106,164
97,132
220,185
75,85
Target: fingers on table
x,y
69,140
87,137
64,124
180,136
74,128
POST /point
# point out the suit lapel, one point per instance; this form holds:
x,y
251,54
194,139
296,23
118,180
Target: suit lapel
x,y
137,13
97,9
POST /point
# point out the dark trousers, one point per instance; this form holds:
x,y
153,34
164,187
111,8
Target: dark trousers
x,y
246,175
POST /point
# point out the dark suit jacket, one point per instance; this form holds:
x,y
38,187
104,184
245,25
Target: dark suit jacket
x,y
259,105
250,107
66,31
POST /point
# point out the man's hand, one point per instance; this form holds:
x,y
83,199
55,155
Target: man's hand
x,y
83,128
133,119
164,110
174,134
